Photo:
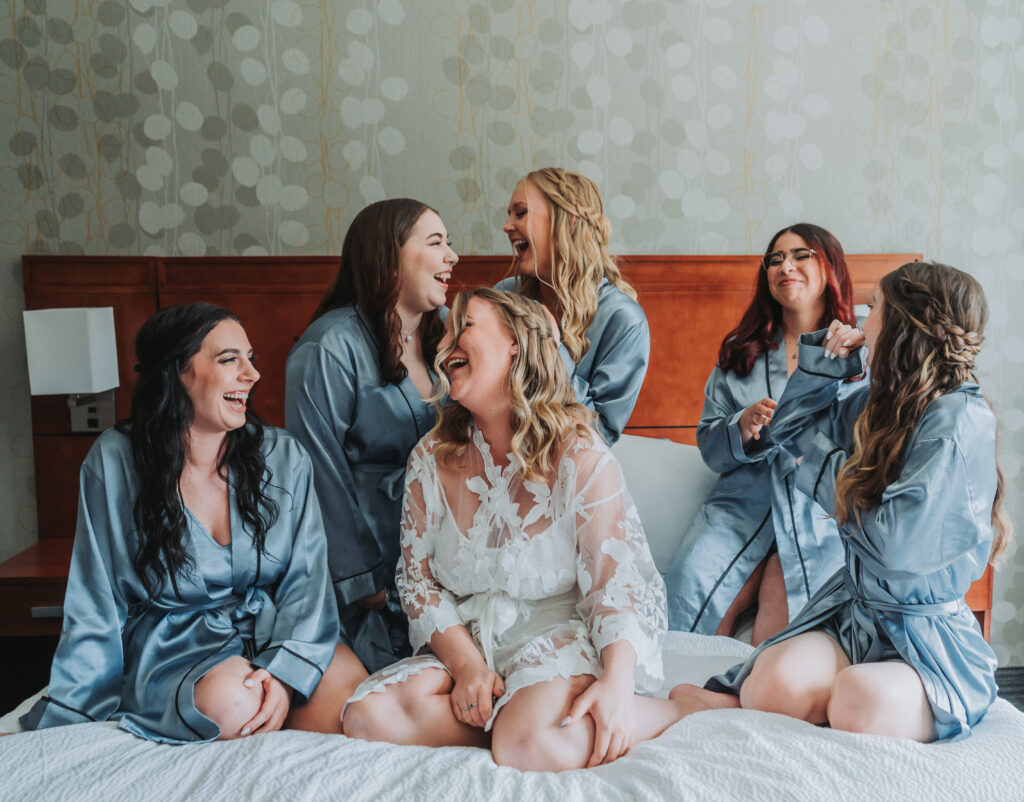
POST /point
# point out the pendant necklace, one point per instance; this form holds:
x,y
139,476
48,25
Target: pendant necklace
x,y
408,337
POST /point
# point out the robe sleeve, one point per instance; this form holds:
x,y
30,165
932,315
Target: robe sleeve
x,y
431,608
813,403
617,373
718,433
926,519
622,593
320,395
85,679
306,626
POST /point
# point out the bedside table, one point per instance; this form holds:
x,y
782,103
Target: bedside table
x,y
32,586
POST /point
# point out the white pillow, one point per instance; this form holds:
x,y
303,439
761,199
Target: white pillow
x,y
668,481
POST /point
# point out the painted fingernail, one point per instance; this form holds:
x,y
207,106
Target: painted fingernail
x,y
246,731
248,683
847,342
828,335
564,722
843,352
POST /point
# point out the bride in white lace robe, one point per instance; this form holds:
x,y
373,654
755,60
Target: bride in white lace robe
x,y
525,585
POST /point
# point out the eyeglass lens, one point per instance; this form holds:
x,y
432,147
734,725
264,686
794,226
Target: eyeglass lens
x,y
797,256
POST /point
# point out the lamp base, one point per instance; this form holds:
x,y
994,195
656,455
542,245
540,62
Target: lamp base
x,y
93,412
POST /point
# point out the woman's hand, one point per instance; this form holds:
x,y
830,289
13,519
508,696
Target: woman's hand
x,y
610,702
277,699
841,340
473,695
754,417
375,602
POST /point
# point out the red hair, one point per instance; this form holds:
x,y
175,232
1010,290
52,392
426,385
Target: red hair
x,y
756,332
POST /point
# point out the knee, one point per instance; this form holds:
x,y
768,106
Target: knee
x,y
528,750
372,718
858,705
772,689
221,696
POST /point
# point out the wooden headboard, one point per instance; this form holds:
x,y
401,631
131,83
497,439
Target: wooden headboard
x,y
690,301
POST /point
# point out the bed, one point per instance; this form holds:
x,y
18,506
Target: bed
x,y
728,754
712,755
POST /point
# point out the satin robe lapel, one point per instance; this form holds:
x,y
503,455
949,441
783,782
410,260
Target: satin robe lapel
x,y
775,371
244,558
421,411
419,406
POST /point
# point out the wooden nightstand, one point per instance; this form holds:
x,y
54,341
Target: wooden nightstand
x,y
32,586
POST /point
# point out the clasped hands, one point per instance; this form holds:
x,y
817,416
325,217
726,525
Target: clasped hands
x,y
274,708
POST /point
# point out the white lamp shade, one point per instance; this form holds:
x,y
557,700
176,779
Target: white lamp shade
x,y
71,350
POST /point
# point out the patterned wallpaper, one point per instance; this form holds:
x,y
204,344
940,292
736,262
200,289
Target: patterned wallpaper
x,y
191,127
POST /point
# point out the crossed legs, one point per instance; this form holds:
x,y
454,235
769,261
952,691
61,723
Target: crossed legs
x,y
526,732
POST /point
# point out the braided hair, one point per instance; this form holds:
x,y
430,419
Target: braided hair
x,y
544,409
933,318
580,237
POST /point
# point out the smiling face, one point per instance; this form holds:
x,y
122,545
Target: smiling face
x,y
798,286
478,365
219,378
425,265
529,230
873,323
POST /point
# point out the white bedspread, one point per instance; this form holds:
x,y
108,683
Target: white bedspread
x,y
734,754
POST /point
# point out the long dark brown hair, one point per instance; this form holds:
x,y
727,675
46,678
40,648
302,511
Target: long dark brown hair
x,y
162,413
933,320
369,278
761,322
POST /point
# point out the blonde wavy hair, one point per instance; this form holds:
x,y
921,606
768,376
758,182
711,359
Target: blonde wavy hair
x,y
545,414
933,317
580,235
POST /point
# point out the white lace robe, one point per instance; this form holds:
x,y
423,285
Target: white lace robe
x,y
543,577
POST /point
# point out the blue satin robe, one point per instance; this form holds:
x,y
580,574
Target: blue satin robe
x,y
899,594
121,657
608,377
753,506
359,434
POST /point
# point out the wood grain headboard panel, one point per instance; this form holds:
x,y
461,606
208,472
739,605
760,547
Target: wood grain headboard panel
x,y
690,301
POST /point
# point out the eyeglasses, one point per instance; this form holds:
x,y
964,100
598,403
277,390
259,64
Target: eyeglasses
x,y
797,256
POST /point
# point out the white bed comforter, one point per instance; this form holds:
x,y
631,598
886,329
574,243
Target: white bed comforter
x,y
734,754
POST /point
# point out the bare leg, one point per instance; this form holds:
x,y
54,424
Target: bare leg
x,y
527,735
772,605
743,601
883,699
693,699
794,677
322,713
417,711
221,697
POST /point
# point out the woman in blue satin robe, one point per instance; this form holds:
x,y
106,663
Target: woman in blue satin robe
x,y
355,397
558,229
888,645
198,604
758,540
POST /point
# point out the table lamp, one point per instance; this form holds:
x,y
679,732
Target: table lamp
x,y
73,352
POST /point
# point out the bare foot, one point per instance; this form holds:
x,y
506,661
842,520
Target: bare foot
x,y
692,699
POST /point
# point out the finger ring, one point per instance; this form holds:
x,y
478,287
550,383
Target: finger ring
x,y
470,706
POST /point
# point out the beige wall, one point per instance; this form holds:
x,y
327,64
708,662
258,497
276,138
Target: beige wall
x,y
232,126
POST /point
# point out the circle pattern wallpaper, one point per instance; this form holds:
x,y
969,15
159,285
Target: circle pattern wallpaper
x,y
204,127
